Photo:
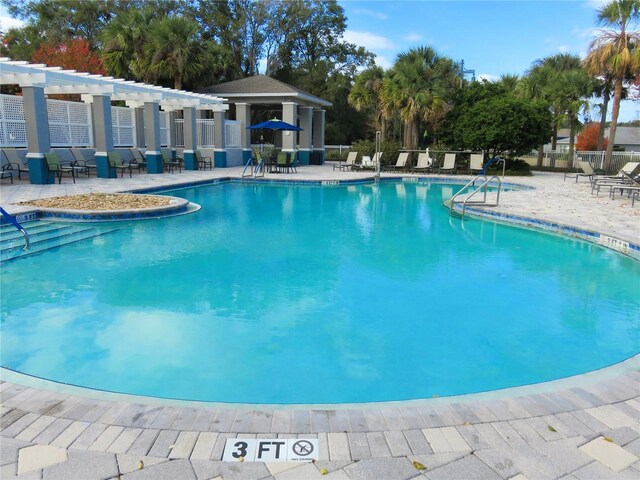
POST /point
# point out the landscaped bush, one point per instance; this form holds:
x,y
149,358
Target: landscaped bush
x,y
390,150
513,167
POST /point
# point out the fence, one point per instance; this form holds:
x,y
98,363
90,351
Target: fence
x,y
69,124
206,133
560,159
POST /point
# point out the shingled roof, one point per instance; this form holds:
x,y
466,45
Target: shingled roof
x,y
262,86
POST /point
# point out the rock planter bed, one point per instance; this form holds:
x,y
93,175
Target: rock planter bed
x,y
110,206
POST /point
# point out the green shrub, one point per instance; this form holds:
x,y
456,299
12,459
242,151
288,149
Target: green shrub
x,y
390,150
513,167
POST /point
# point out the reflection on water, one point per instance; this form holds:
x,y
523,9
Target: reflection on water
x,y
302,295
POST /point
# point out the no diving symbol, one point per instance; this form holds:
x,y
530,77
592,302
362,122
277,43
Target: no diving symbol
x,y
302,448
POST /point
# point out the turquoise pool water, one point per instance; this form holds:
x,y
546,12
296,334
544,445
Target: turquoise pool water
x,y
306,294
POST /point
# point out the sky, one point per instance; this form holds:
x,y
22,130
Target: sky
x,y
493,37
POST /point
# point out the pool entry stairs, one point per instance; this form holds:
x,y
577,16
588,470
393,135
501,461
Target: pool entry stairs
x,y
43,236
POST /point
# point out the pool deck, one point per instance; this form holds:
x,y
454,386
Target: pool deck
x,y
584,427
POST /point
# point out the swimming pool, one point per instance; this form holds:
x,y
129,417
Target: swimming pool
x,y
307,294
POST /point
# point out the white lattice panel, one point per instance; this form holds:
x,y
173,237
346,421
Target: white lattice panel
x,y
69,124
123,123
179,132
164,129
13,128
12,108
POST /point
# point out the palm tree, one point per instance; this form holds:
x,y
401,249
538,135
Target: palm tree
x,y
365,95
176,51
418,87
124,39
615,53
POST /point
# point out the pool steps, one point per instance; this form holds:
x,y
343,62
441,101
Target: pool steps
x,y
44,236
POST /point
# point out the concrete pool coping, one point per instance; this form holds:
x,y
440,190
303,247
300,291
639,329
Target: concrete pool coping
x,y
455,437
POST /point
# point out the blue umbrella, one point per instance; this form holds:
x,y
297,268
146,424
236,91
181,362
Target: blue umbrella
x,y
275,124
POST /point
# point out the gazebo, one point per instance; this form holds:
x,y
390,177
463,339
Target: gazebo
x,y
299,108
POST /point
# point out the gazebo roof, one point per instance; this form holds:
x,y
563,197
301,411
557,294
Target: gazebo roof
x,y
59,81
264,89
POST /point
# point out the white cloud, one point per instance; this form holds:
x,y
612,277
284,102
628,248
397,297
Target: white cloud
x,y
412,37
371,41
563,48
383,62
6,22
371,13
489,77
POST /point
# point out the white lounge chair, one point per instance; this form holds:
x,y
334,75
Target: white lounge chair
x,y
348,165
475,162
424,163
401,163
449,164
587,171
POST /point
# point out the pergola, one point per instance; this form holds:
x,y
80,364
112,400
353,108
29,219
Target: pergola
x,y
37,81
299,108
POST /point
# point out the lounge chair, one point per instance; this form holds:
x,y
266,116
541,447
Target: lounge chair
x,y
369,163
115,162
349,164
58,169
587,171
12,161
169,163
203,162
401,163
293,160
625,176
475,162
424,163
449,164
6,171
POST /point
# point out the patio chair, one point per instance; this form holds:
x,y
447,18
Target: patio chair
x,y
424,163
401,162
13,162
82,163
169,163
293,162
449,164
58,169
115,161
282,162
475,162
587,171
203,162
139,158
6,171
349,164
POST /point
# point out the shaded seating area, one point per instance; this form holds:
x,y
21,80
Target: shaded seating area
x,y
170,163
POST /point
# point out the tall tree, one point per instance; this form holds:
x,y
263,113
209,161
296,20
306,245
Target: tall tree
x,y
615,52
419,87
74,54
175,50
366,96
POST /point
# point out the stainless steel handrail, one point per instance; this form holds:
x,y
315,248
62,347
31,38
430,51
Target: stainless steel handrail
x,y
16,224
483,187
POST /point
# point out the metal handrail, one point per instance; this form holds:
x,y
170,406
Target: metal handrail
x,y
249,163
16,224
482,187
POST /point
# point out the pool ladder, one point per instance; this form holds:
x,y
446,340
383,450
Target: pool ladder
x,y
250,171
479,184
